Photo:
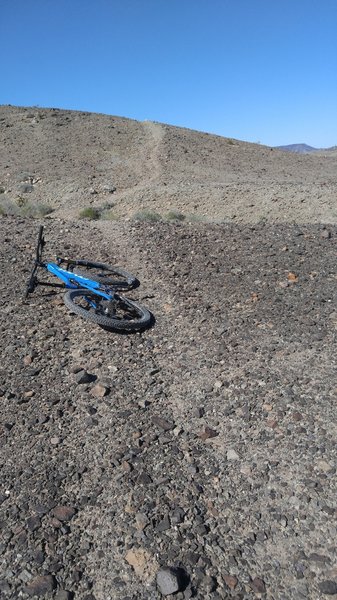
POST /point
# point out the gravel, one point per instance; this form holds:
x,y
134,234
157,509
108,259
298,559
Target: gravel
x,y
160,476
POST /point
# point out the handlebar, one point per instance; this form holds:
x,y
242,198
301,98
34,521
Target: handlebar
x,y
40,244
32,282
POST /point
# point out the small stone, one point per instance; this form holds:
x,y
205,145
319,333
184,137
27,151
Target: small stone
x,y
324,466
208,433
319,558
64,513
258,586
126,466
201,529
163,525
40,585
208,584
28,360
29,394
292,277
163,423
25,576
230,581
100,390
63,595
55,441
232,455
246,470
33,523
177,516
328,587
141,521
144,478
325,234
283,521
83,377
167,582
296,416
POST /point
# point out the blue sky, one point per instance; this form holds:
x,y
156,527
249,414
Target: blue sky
x,y
256,70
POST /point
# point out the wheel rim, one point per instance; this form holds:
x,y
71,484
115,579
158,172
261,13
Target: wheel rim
x,y
117,310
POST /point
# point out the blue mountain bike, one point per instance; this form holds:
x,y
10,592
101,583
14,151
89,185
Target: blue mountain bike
x,y
93,291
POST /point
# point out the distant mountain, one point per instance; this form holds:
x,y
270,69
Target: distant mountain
x,y
298,148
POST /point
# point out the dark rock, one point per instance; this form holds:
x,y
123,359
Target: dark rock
x,y
33,523
143,478
84,377
319,558
40,585
163,423
202,529
177,516
163,525
258,585
328,587
168,581
64,513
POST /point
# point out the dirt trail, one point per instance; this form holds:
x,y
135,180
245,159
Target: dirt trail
x,y
157,134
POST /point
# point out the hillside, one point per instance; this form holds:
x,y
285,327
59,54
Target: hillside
x,y
71,160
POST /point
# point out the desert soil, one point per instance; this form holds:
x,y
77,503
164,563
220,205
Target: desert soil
x,y
196,459
78,159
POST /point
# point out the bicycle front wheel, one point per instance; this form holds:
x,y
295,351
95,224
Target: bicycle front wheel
x,y
110,276
119,313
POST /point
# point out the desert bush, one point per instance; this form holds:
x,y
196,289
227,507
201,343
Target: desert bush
x,y
109,215
174,215
35,210
25,176
93,214
25,188
22,208
107,206
147,215
108,188
8,207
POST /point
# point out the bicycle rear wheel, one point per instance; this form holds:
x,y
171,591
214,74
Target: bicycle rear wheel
x,y
119,313
111,276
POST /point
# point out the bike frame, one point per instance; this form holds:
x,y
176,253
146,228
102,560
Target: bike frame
x,y
74,281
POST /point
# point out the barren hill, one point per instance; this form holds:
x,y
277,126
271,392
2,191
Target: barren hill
x,y
79,159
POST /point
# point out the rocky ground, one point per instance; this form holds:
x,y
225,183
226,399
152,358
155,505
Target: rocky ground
x,y
197,458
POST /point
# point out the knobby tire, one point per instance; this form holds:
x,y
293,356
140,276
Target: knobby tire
x,y
140,316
